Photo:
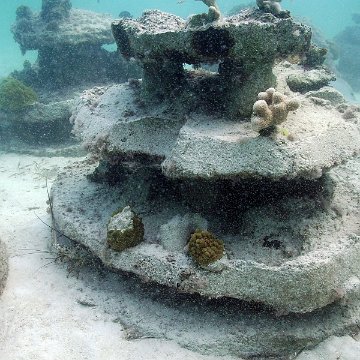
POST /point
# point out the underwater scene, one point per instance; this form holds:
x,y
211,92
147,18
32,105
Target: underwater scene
x,y
180,179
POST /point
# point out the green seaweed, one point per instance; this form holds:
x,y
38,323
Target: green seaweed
x,y
15,96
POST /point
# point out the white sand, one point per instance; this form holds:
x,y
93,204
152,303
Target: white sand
x,y
40,317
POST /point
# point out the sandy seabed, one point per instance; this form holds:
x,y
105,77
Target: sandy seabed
x,y
42,314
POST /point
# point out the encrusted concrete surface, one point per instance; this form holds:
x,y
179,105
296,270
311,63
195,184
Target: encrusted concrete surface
x,y
310,80
315,264
223,326
156,33
114,120
318,139
245,46
198,146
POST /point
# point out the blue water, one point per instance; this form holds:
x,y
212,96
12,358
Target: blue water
x,y
330,17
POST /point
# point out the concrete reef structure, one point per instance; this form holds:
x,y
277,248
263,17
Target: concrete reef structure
x,y
245,56
180,149
69,43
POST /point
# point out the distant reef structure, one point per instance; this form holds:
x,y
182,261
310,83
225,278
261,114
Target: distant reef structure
x,y
348,42
71,57
356,18
70,46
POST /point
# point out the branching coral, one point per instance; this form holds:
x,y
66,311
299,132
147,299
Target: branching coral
x,y
15,96
214,10
273,7
213,14
271,109
205,248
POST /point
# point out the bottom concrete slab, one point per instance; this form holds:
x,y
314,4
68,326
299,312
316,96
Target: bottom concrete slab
x,y
296,251
251,294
